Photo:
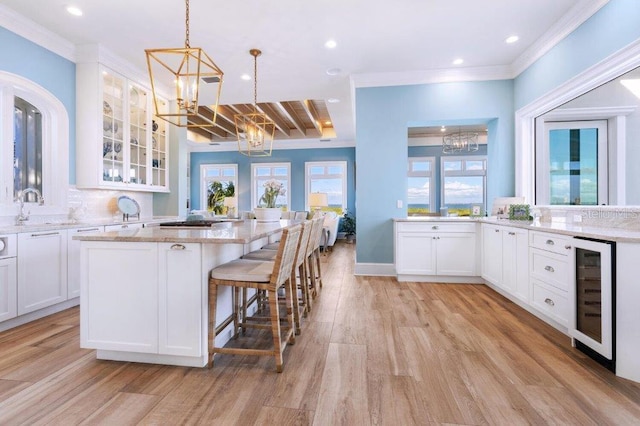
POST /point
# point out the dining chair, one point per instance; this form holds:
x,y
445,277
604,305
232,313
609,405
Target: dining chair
x,y
270,276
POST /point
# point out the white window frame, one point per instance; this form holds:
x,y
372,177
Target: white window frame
x,y
464,172
542,166
256,192
204,181
431,174
55,146
308,177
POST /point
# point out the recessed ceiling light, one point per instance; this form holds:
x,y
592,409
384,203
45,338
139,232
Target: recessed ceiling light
x,y
512,39
245,77
334,71
330,44
333,100
74,10
458,61
327,123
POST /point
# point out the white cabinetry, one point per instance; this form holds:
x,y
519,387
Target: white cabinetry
x,y
42,269
549,270
435,249
123,226
73,258
142,297
8,289
505,259
123,146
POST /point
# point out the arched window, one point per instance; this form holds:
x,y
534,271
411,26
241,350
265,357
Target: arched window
x,y
34,146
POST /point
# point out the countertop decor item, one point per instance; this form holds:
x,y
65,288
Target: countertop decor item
x,y
129,207
272,189
267,214
519,212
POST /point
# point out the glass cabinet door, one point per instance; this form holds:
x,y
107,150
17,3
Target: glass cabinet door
x,y
159,151
112,128
138,146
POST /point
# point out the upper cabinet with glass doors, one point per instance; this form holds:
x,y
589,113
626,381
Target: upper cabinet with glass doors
x,y
120,144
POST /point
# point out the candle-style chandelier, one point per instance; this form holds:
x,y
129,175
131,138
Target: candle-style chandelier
x,y
194,76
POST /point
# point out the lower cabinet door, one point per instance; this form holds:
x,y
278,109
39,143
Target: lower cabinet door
x,y
180,299
456,254
119,296
8,289
42,270
415,253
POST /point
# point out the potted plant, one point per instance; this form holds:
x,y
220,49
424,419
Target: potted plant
x,y
216,194
348,226
267,210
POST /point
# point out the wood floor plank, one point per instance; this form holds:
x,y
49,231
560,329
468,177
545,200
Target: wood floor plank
x,y
284,416
123,409
342,400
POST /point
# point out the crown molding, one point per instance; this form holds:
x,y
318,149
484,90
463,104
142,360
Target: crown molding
x,y
277,145
446,75
571,20
35,33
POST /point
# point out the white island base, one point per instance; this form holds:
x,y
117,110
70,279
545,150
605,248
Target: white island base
x,y
148,301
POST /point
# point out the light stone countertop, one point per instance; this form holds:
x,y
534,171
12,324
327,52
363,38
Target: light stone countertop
x,y
241,232
556,227
70,224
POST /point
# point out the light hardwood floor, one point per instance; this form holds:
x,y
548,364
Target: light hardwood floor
x,y
372,352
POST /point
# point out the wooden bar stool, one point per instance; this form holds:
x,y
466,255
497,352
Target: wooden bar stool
x,y
268,276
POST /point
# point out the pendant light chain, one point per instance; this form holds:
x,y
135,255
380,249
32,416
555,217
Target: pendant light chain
x,y
255,82
186,39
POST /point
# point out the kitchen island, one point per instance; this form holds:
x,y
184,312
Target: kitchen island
x,y
144,292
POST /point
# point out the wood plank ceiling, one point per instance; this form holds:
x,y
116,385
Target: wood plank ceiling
x,y
308,119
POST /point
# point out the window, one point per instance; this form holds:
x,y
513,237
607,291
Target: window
x,y
420,177
464,183
573,166
34,145
219,181
263,172
329,177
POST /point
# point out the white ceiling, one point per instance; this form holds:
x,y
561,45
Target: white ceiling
x,y
378,42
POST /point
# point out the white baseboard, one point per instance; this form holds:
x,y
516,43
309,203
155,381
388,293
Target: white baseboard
x,y
375,269
440,279
32,316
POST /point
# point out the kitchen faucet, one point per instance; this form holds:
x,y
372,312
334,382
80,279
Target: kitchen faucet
x,y
22,217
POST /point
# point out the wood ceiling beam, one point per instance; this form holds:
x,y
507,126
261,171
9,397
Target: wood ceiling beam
x,y
311,111
290,112
272,113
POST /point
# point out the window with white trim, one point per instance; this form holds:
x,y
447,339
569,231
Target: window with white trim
x,y
464,183
264,172
218,182
420,183
328,177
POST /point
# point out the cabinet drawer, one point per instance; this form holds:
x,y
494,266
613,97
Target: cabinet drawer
x,y
550,301
435,226
550,268
550,242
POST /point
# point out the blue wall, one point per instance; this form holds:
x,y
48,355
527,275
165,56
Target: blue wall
x,y
56,74
297,158
614,26
383,115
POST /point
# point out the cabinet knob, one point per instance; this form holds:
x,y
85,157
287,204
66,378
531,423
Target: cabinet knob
x,y
549,268
178,247
496,230
512,233
434,227
549,302
568,247
550,242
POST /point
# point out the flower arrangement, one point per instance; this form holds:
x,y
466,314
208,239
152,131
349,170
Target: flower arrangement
x,y
272,189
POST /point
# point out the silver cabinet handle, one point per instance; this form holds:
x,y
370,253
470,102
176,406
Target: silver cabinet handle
x,y
87,230
549,302
512,233
434,227
178,247
568,247
549,268
45,234
496,230
550,242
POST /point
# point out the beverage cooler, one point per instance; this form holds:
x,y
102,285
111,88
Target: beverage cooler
x,y
592,299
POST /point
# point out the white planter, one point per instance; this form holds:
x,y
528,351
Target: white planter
x,y
264,214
